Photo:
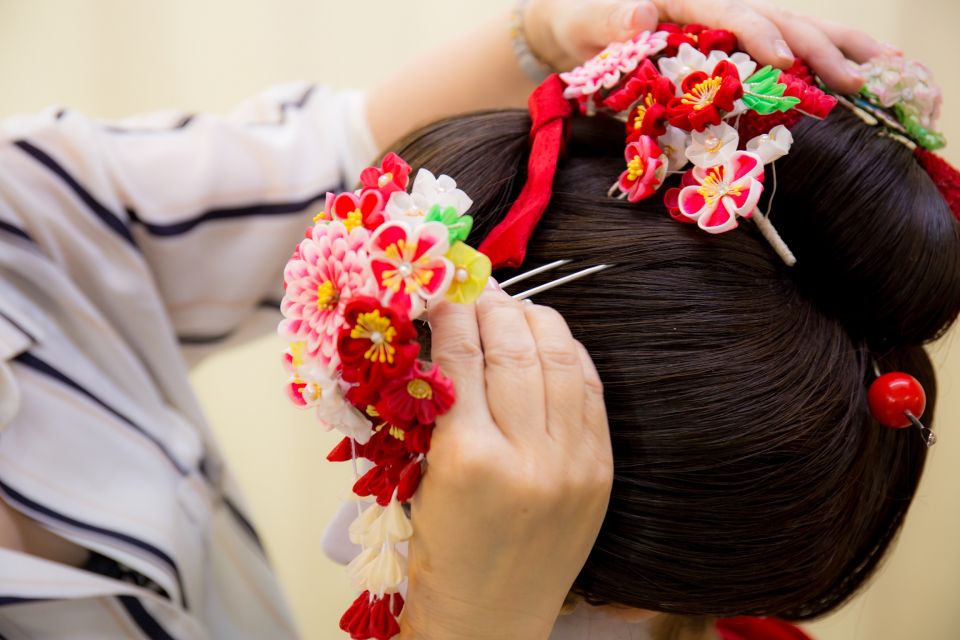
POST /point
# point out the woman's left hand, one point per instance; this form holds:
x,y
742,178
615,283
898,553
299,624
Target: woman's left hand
x,y
564,33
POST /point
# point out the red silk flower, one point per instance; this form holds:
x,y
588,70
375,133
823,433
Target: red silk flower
x,y
419,397
706,97
365,210
392,175
648,93
377,343
699,37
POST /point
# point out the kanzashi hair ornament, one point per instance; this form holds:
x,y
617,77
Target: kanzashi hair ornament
x,y
695,106
897,401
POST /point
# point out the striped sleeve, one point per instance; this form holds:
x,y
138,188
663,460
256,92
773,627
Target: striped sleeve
x,y
205,208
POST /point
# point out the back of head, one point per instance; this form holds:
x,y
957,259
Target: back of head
x,y
750,477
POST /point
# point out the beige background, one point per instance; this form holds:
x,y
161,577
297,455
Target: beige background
x,y
112,58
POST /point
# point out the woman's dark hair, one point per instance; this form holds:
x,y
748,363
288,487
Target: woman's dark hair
x,y
750,477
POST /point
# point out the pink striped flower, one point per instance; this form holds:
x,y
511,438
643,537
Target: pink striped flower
x,y
717,195
329,268
646,169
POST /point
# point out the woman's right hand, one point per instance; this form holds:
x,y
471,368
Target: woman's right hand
x,y
518,475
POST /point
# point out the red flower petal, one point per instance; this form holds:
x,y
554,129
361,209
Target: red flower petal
x,y
356,619
944,176
383,622
409,481
344,451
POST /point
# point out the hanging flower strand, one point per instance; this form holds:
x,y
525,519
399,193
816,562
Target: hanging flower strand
x,y
353,288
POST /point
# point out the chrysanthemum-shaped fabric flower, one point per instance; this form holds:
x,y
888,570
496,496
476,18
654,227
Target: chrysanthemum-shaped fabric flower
x,y
605,69
409,264
699,36
723,192
364,210
471,272
332,267
391,176
377,342
419,398
646,169
714,145
772,146
428,191
705,98
674,144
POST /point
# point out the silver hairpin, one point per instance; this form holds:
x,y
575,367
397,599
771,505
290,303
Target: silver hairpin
x,y
523,295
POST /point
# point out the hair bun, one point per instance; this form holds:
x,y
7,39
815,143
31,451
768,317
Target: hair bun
x,y
875,241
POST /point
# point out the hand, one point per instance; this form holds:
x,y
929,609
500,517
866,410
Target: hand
x,y
518,476
564,33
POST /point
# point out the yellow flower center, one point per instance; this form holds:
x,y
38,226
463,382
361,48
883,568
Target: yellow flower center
x,y
412,275
715,186
385,179
374,327
396,432
642,109
327,296
713,144
420,389
353,220
320,217
635,169
703,93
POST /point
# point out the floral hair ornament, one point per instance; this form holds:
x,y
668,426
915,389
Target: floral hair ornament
x,y
355,284
901,97
353,288
694,105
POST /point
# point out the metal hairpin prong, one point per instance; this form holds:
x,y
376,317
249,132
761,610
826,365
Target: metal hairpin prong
x,y
529,274
555,283
929,437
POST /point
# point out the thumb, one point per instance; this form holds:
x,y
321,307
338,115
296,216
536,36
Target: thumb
x,y
625,20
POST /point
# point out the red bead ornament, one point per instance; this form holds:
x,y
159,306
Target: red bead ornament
x,y
897,400
894,397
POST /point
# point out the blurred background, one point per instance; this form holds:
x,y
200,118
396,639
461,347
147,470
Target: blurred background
x,y
115,58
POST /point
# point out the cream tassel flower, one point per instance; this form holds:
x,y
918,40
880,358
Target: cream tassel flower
x,y
395,523
366,530
386,572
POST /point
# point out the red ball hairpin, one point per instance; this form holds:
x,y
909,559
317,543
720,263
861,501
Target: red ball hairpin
x,y
897,400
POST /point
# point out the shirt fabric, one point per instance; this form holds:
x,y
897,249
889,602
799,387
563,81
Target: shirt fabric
x,y
119,244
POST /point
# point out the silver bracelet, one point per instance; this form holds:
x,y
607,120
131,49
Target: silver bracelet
x,y
535,68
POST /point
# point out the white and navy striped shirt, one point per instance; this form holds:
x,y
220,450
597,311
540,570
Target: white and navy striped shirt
x,y
117,245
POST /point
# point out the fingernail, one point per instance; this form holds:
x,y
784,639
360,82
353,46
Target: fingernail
x,y
493,285
783,49
629,17
527,302
892,48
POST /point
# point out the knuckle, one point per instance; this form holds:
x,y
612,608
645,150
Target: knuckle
x,y
512,354
558,353
458,349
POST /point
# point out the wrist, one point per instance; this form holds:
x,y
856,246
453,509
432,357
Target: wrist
x,y
430,614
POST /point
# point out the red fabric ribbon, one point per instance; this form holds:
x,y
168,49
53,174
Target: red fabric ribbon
x,y
506,246
943,175
758,629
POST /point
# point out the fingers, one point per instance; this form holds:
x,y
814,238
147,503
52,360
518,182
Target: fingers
x,y
596,432
758,34
514,380
597,24
856,44
562,371
826,60
456,348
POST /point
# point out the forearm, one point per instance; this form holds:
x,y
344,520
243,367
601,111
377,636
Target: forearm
x,y
477,70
